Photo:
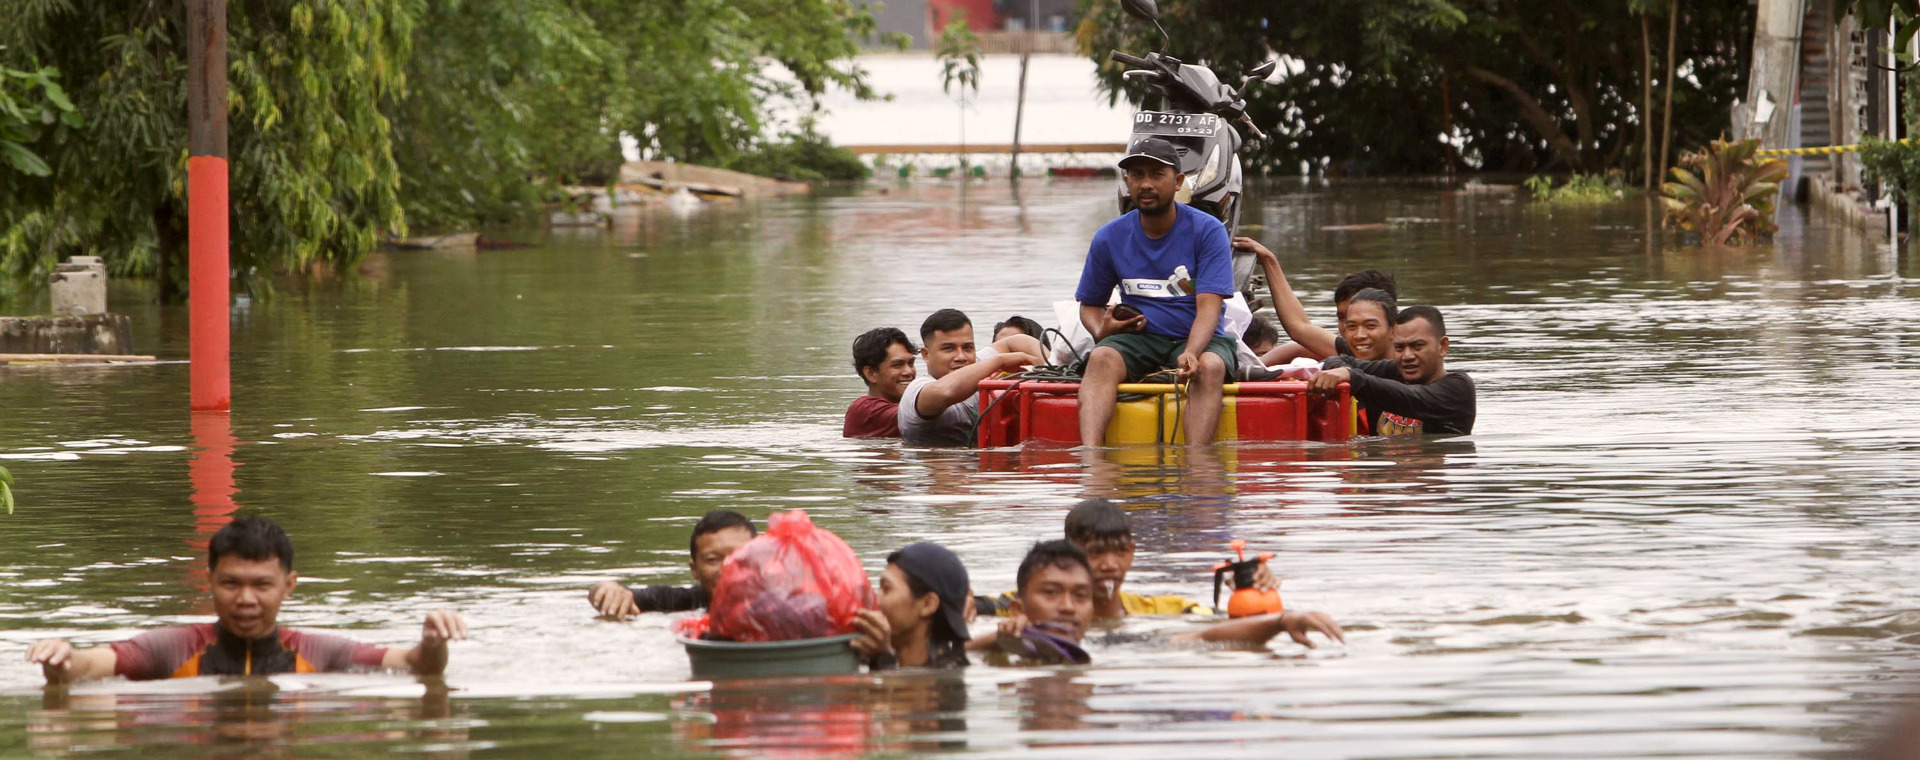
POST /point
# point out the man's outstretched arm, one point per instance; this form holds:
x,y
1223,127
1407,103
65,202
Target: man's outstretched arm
x,y
1317,341
1449,398
62,664
964,382
1258,629
429,657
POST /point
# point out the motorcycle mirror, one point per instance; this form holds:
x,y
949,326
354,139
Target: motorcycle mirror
x,y
1262,71
1145,10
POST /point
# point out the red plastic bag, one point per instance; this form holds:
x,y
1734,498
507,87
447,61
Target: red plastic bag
x,y
795,581
692,626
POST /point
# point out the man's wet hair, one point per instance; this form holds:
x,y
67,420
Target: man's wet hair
x,y
870,349
714,522
1096,522
1260,330
1432,315
251,537
1380,297
944,320
1059,553
1363,279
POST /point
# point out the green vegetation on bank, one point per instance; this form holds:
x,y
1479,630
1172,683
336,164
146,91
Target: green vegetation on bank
x,y
350,119
805,155
1578,190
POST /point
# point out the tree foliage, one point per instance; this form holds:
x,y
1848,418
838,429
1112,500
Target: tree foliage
x,y
30,101
525,95
1387,85
312,176
351,119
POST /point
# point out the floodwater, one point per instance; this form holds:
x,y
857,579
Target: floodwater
x,y
1683,527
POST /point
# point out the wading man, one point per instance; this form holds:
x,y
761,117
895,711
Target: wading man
x,y
1174,268
1414,393
251,567
715,537
1308,339
884,358
942,408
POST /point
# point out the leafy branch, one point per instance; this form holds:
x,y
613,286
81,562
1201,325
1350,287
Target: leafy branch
x,y
23,116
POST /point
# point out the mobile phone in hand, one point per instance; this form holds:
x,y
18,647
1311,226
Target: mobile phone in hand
x,y
1124,312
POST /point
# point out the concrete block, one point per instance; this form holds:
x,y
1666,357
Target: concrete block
x,y
92,334
79,287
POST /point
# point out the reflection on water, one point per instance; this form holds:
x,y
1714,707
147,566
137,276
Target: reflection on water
x,y
204,717
1681,529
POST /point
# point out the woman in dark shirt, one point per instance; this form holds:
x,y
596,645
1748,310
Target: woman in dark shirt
x,y
922,619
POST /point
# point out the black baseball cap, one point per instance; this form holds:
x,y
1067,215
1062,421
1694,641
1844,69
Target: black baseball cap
x,y
1152,148
941,572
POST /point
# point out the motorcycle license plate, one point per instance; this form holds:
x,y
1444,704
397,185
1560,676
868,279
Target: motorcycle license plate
x,y
1175,124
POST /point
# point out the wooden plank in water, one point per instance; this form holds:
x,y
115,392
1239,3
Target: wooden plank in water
x,y
75,358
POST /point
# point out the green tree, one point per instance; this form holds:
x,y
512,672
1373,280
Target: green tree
x,y
716,55
1519,86
25,112
506,99
350,119
313,179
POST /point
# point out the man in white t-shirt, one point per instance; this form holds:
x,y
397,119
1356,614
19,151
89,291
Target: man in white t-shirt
x,y
940,407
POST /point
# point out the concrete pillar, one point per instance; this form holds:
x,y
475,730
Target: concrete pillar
x,y
1767,110
79,287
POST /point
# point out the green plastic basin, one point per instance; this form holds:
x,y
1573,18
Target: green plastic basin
x,y
715,660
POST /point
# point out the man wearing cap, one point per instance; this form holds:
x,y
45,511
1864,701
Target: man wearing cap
x,y
922,620
1174,266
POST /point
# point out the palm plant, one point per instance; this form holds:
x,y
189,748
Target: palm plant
x,y
1724,193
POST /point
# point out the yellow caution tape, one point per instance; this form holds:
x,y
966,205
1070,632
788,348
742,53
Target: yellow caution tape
x,y
1824,150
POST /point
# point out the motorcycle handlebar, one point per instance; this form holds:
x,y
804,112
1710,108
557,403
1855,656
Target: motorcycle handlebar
x,y
1119,57
1247,122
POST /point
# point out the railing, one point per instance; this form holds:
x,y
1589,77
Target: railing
x,y
1021,42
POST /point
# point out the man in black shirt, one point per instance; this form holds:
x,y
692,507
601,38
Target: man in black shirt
x,y
716,535
1414,393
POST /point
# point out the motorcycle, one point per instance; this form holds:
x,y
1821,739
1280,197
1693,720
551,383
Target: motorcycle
x,y
1197,113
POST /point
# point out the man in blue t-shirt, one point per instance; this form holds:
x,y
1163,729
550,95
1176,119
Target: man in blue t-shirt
x,y
1174,266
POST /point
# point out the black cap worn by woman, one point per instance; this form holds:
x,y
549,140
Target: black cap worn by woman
x,y
930,567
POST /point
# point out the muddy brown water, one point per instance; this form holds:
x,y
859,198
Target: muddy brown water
x,y
1683,526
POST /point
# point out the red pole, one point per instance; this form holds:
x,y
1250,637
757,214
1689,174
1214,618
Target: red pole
x,y
207,270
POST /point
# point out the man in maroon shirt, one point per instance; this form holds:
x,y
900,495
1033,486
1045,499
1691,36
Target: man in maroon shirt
x,y
884,358
251,564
